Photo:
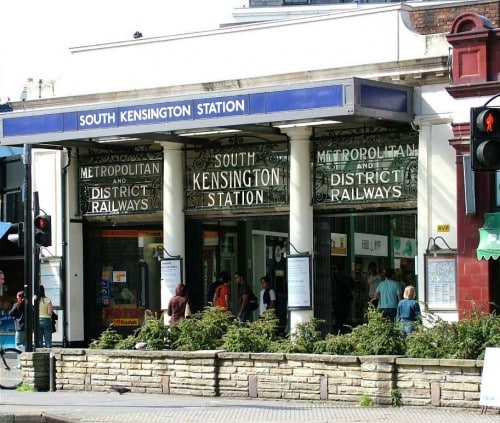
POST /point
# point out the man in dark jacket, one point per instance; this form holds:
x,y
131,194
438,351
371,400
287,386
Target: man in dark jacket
x,y
17,312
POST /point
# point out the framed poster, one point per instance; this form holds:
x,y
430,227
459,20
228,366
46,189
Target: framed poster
x,y
299,281
50,278
441,282
170,277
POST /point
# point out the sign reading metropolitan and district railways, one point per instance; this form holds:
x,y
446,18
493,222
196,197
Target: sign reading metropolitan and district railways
x,y
120,184
360,170
236,176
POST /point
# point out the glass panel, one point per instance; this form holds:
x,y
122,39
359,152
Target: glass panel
x,y
127,275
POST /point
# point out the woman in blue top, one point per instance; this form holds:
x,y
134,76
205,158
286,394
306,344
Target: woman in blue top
x,y
408,313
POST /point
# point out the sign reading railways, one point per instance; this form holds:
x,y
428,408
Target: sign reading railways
x,y
120,184
237,175
377,167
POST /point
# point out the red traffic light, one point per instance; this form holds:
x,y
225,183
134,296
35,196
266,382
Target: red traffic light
x,y
488,121
41,222
43,230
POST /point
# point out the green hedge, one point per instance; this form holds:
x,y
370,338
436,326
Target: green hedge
x,y
213,329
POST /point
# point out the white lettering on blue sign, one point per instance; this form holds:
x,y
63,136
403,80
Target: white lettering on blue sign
x,y
98,119
220,107
155,113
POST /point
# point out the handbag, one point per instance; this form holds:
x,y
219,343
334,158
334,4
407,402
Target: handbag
x,y
187,311
54,319
253,303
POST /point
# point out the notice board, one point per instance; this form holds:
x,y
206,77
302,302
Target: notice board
x,y
170,277
441,282
490,383
299,282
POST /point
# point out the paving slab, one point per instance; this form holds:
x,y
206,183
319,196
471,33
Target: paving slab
x,y
112,407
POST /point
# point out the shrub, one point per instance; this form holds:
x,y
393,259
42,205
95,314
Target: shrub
x,y
306,335
335,345
154,334
107,340
466,339
203,331
377,336
254,336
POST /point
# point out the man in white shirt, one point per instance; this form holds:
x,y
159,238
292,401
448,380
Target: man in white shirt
x,y
267,297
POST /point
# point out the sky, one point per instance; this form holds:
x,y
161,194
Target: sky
x,y
37,35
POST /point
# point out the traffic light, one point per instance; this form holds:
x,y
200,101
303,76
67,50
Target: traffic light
x,y
485,138
43,230
16,234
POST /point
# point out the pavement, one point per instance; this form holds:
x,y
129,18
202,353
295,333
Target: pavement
x,y
110,407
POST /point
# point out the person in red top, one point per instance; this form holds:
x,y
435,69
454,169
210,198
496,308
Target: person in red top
x,y
222,296
177,304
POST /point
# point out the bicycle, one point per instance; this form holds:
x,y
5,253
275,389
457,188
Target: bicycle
x,y
11,375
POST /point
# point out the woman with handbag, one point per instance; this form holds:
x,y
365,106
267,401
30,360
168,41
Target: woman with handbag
x,y
178,306
44,318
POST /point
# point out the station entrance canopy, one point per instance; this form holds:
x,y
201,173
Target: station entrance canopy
x,y
350,100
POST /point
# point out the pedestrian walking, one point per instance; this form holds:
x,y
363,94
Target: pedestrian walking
x,y
17,312
267,295
388,294
247,302
178,306
45,310
408,314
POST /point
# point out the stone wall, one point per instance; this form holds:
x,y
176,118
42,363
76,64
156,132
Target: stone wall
x,y
420,382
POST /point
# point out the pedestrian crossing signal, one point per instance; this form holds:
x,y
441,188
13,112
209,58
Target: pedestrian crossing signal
x,y
43,230
485,138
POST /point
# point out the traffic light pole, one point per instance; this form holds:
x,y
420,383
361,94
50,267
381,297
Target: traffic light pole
x,y
36,274
28,250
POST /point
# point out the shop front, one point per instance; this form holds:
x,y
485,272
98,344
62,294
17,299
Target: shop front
x,y
120,204
226,183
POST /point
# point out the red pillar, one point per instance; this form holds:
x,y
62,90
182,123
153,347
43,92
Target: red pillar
x,y
473,275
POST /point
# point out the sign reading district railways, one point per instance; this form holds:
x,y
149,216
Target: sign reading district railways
x,y
117,184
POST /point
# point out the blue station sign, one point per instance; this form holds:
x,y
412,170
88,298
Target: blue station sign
x,y
276,104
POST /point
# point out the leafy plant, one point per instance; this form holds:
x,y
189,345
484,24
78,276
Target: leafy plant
x,y
377,336
253,337
366,401
466,339
396,399
203,331
306,335
335,345
107,340
26,388
154,334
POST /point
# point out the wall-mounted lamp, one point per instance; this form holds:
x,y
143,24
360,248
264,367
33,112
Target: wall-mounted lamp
x,y
434,248
288,247
161,253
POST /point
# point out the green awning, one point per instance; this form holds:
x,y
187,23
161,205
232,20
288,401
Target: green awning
x,y
489,237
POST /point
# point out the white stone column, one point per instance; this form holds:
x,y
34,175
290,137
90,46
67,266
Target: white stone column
x,y
301,211
173,200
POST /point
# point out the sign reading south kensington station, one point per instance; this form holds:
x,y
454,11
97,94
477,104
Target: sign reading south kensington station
x,y
237,175
120,183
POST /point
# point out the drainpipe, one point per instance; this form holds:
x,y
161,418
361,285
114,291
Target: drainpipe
x,y
64,234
